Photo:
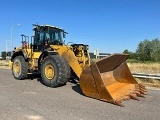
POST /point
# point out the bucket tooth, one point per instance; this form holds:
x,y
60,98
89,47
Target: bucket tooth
x,y
126,98
142,91
139,94
142,86
110,80
119,103
134,96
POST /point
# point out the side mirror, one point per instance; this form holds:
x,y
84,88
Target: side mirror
x,y
64,35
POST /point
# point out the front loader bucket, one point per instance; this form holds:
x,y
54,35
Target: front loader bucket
x,y
110,80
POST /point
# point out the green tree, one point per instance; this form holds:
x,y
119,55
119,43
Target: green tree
x,y
132,55
3,54
155,50
126,51
144,50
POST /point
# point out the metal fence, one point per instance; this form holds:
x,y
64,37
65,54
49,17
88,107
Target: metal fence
x,y
147,76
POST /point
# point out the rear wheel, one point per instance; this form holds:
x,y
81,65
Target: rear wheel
x,y
55,71
19,68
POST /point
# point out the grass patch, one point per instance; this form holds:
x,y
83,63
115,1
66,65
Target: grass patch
x,y
148,68
149,82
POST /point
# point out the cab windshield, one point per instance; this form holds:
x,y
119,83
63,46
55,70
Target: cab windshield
x,y
54,35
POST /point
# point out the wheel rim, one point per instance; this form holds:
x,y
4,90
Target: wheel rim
x,y
16,68
49,72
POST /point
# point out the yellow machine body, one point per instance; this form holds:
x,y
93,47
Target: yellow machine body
x,y
77,58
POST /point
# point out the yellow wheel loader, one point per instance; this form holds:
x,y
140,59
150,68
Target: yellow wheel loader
x,y
108,79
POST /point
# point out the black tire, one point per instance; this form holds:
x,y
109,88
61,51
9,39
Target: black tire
x,y
66,71
55,71
22,70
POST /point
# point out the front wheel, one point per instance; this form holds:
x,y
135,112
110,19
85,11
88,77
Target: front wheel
x,y
55,71
19,68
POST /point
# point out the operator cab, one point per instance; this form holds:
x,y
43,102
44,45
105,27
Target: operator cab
x,y
46,35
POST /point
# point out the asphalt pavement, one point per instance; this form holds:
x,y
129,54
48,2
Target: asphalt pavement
x,y
31,100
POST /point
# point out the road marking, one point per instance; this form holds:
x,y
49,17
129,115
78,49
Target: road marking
x,y
35,118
